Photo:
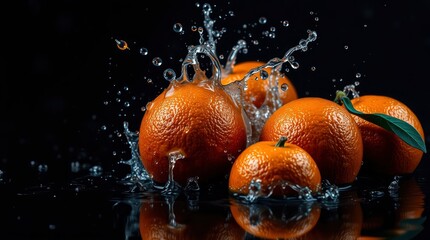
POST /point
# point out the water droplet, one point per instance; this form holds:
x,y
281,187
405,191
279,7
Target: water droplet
x,y
103,127
200,30
157,61
207,8
317,19
263,74
285,23
177,27
169,74
284,87
313,68
346,47
143,51
126,104
262,20
358,75
42,168
96,170
193,28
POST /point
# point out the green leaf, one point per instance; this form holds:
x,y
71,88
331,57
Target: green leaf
x,y
402,129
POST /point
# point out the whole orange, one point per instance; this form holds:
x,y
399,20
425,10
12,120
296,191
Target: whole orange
x,y
276,166
197,119
385,152
325,130
257,89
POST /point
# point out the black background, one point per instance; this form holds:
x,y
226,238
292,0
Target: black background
x,y
61,64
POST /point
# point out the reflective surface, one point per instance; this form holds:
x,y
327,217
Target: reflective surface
x,y
103,207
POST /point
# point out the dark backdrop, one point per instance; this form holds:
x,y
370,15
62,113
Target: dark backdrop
x,y
65,80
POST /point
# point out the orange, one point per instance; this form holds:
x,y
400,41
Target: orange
x,y
276,222
197,119
257,89
385,152
325,130
274,165
158,220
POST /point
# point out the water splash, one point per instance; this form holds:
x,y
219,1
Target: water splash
x,y
231,60
254,117
327,193
138,174
350,89
258,116
170,200
171,186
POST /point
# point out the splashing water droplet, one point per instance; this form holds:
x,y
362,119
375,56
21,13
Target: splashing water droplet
x,y
177,27
351,89
254,190
171,186
143,51
157,61
264,74
169,74
394,185
284,87
262,20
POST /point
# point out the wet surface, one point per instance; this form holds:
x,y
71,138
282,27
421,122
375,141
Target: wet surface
x,y
104,207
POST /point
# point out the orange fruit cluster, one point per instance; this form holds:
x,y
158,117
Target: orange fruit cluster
x,y
324,140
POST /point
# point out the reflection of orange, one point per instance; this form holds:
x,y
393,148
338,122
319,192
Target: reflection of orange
x,y
385,152
199,120
411,200
257,89
325,130
274,163
209,222
342,221
407,206
275,222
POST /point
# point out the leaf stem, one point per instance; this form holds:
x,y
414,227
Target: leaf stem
x,y
281,142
